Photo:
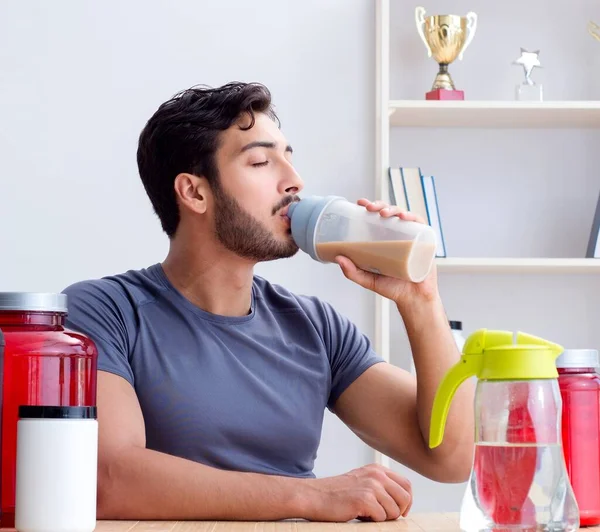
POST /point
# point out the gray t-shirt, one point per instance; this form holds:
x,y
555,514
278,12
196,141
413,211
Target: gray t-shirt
x,y
238,393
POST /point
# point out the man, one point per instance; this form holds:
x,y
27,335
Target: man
x,y
212,382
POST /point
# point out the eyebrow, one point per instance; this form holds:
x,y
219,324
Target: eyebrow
x,y
264,144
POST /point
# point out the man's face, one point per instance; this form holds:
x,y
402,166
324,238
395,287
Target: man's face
x,y
256,184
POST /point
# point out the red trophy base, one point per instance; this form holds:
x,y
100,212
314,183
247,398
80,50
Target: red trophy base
x,y
445,94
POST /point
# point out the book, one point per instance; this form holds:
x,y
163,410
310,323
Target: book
x,y
397,195
414,192
433,213
413,188
593,249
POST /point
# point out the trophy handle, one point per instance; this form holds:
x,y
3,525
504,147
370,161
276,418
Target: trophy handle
x,y
593,28
471,27
420,20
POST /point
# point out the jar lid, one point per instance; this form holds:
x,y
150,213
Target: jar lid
x,y
57,412
31,301
578,358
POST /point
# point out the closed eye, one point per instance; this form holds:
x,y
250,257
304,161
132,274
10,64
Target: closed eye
x,y
264,163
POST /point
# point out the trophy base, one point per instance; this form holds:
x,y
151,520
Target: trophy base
x,y
445,94
529,93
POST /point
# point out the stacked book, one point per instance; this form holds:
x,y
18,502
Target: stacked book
x,y
593,249
412,191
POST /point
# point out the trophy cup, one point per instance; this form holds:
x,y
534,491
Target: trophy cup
x,y
594,30
528,90
446,37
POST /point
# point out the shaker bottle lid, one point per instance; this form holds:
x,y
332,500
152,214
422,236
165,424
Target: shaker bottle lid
x,y
57,412
31,301
304,216
456,325
578,358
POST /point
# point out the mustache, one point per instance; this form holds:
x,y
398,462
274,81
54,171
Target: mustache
x,y
284,203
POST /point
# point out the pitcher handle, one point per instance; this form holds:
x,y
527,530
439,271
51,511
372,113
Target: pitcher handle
x,y
468,366
471,27
420,20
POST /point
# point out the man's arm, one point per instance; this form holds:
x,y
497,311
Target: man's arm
x,y
391,411
137,483
386,406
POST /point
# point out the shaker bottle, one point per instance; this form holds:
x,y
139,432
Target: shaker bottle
x,y
328,226
580,390
57,450
518,480
44,364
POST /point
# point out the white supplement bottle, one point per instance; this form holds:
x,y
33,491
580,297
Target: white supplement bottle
x,y
56,473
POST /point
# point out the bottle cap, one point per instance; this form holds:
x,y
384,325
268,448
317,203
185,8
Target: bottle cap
x,y
304,216
32,302
57,412
578,358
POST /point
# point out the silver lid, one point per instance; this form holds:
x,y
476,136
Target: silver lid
x,y
578,358
31,301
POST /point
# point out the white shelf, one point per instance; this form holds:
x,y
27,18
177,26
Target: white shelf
x,y
518,265
495,114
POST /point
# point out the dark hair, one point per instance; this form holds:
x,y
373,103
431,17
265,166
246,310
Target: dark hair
x,y
183,136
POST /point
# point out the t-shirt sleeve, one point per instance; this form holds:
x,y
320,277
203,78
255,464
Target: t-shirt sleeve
x,y
350,352
98,310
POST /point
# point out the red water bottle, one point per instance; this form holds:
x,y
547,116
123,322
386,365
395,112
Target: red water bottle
x,y
44,364
580,391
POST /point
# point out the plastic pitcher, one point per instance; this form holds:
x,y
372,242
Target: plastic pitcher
x,y
518,480
328,226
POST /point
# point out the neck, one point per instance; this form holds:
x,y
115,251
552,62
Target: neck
x,y
210,276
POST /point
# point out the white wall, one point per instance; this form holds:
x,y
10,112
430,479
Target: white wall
x,y
78,79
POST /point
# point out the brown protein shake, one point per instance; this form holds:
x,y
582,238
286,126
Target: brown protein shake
x,y
403,259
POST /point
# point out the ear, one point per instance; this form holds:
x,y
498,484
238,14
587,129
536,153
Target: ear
x,y
192,192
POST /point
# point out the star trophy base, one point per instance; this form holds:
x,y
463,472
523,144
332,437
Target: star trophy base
x,y
529,93
445,94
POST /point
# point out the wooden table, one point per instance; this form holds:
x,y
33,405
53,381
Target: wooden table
x,y
441,522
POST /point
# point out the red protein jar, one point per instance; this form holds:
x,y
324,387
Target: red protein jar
x,y
579,384
44,364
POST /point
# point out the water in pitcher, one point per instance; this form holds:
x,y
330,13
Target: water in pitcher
x,y
518,487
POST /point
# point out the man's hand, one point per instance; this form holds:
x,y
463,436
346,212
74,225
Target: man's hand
x,y
370,493
397,290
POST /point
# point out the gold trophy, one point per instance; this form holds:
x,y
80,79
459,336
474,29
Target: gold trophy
x,y
446,37
594,30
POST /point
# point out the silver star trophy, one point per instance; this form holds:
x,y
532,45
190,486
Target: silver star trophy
x,y
528,90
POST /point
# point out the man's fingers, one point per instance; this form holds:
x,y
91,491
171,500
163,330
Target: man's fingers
x,y
399,479
405,493
388,212
402,497
411,217
374,206
351,272
373,510
387,500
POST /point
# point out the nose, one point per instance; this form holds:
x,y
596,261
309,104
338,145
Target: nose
x,y
291,182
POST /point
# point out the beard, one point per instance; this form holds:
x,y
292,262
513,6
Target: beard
x,y
246,236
